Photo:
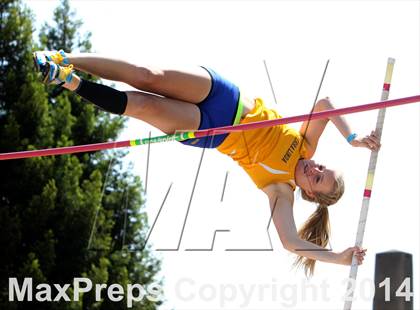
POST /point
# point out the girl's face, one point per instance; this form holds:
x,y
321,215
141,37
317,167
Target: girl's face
x,y
314,178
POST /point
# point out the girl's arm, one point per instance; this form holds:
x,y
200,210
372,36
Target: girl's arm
x,y
313,129
281,202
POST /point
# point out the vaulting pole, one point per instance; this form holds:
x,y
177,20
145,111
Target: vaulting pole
x,y
368,187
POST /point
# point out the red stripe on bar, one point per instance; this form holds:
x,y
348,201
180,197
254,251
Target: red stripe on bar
x,y
386,86
367,193
66,150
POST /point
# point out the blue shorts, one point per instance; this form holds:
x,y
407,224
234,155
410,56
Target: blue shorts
x,y
220,108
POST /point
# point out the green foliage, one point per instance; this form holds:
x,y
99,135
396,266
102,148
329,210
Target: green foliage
x,y
66,216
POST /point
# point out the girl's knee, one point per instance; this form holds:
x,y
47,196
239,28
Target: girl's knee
x,y
146,77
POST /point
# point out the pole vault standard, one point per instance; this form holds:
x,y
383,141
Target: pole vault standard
x,y
208,132
368,187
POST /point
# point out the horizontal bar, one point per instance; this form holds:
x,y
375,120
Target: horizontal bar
x,y
208,132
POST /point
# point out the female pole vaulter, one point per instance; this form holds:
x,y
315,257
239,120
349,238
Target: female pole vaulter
x,y
276,158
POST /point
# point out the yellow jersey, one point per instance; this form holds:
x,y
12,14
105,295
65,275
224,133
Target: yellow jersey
x,y
269,155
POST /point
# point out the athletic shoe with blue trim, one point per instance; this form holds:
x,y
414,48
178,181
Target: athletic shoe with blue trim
x,y
56,74
57,57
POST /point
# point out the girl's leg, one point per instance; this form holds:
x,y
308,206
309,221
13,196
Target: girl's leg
x,y
166,114
190,84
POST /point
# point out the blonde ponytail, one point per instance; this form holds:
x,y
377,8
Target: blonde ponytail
x,y
317,228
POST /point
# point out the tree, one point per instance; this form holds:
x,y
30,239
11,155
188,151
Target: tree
x,y
66,216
